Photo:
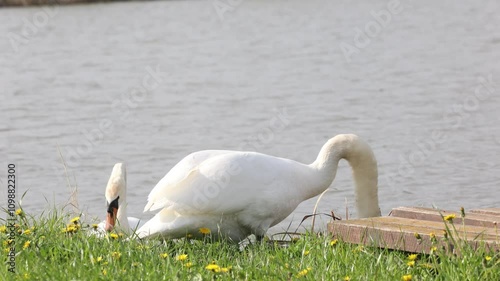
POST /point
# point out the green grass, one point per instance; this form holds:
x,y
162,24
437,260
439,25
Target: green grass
x,y
55,255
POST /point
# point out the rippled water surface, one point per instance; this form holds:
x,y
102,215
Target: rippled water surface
x,y
279,77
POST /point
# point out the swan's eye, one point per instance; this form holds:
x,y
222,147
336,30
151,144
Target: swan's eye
x,y
113,204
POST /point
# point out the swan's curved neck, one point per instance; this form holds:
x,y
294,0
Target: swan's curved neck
x,y
117,185
364,166
121,215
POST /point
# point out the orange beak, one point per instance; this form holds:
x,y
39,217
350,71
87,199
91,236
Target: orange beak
x,y
111,219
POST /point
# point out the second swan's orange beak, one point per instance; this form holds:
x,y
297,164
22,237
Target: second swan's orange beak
x,y
111,219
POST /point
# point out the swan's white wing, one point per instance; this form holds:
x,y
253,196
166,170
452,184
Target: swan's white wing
x,y
158,196
221,183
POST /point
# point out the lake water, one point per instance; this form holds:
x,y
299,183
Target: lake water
x,y
418,80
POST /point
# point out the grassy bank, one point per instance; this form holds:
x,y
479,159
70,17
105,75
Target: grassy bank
x,y
58,247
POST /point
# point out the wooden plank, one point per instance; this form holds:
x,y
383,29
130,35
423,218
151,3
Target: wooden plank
x,y
360,234
486,219
426,227
399,234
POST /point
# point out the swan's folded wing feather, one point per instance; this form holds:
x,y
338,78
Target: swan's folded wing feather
x,y
224,183
177,176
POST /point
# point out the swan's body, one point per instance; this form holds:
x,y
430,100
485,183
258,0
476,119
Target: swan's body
x,y
236,194
116,199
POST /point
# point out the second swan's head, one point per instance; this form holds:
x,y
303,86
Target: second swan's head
x,y
115,190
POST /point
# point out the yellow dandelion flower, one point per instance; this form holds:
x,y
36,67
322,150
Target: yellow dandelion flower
x,y
8,242
164,255
287,265
406,277
113,235
74,228
225,269
347,278
26,244
19,212
99,259
95,226
26,276
450,217
75,220
3,229
432,235
116,255
412,257
302,273
334,242
6,250
411,263
417,235
182,257
27,232
204,231
213,267
104,272
70,229
306,253
433,249
188,264
487,258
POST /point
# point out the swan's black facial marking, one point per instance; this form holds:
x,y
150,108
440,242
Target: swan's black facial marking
x,y
113,204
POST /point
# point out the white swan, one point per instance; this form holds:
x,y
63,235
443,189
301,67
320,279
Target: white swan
x,y
235,194
116,200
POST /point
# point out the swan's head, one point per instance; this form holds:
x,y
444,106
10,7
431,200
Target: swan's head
x,y
116,191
